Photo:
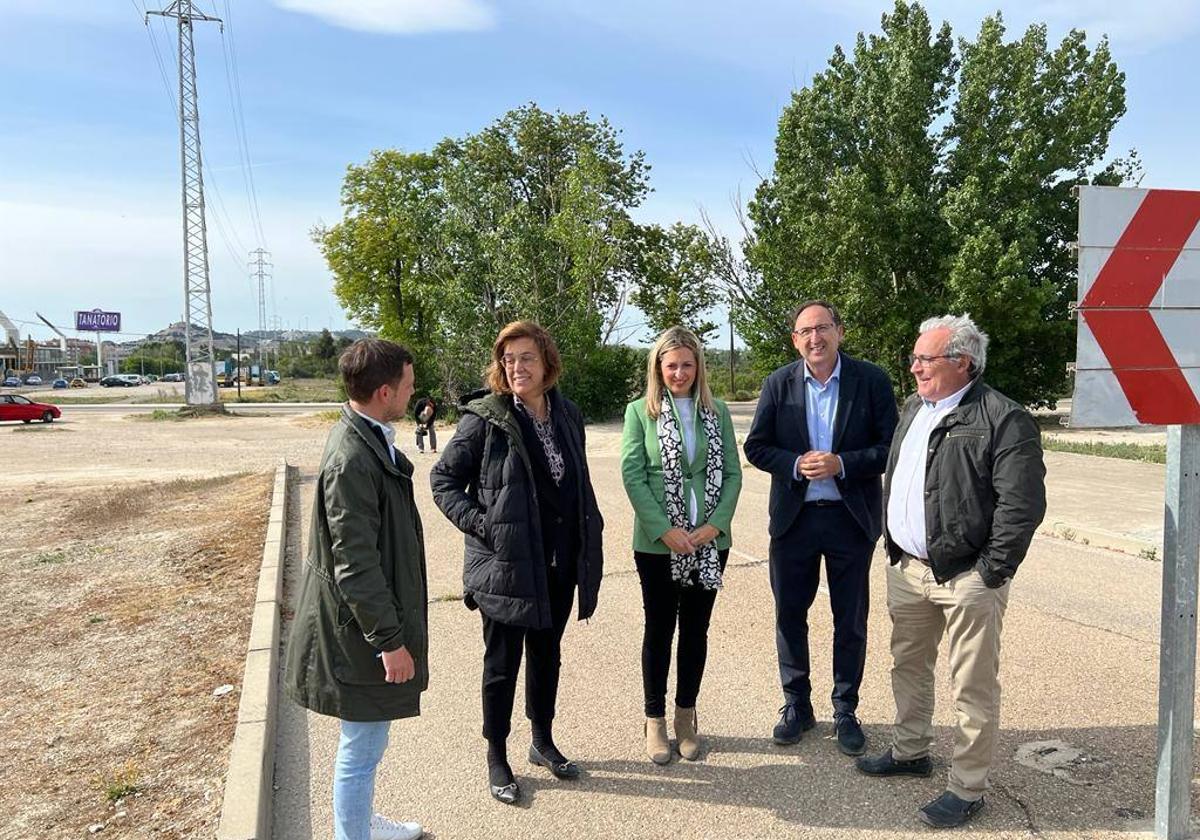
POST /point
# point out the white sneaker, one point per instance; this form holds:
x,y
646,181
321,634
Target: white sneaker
x,y
384,829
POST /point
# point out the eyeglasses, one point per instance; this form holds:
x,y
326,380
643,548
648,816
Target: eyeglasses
x,y
819,329
926,361
525,360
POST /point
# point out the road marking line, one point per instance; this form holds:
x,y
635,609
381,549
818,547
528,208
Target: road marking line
x,y
820,587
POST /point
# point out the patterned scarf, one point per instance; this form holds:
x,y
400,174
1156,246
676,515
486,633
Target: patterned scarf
x,y
670,443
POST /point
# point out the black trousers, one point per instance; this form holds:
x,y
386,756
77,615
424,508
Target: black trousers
x,y
795,567
665,603
502,646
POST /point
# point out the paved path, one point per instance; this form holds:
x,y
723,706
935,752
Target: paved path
x,y
1080,667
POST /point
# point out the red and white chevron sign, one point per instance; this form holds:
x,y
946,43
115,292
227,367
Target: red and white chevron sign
x,y
1137,361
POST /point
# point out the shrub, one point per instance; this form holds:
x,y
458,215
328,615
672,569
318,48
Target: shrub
x,y
603,381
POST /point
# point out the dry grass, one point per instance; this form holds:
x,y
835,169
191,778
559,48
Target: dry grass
x,y
318,420
126,608
123,504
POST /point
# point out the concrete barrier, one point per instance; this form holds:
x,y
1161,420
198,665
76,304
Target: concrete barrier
x,y
246,809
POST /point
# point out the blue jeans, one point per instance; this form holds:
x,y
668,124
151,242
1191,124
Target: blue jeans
x,y
359,751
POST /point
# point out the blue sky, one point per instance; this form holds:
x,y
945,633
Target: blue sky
x,y
89,160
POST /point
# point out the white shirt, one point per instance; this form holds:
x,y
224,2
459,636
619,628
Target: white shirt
x,y
906,499
389,433
685,408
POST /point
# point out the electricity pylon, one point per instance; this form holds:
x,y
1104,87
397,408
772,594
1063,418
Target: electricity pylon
x,y
261,271
201,388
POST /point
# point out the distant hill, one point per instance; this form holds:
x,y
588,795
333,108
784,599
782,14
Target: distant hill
x,y
228,341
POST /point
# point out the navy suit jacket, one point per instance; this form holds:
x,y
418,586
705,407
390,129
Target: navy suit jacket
x,y
862,433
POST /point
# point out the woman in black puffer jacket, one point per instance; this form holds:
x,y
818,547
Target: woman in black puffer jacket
x,y
514,479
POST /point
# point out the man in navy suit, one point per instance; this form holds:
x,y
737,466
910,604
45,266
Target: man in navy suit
x,y
822,430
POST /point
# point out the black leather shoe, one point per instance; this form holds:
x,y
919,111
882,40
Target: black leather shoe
x,y
886,765
509,794
793,722
850,737
560,769
948,811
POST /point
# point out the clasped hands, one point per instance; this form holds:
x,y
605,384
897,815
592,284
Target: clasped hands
x,y
686,542
815,465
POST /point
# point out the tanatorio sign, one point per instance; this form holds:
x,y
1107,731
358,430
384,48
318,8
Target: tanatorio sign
x,y
97,320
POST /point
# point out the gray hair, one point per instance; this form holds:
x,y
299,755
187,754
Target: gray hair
x,y
966,339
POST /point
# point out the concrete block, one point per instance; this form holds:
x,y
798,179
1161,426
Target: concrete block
x,y
264,629
258,686
246,808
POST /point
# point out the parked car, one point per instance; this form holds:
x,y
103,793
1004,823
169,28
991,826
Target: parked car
x,y
59,383
173,377
78,382
33,379
11,382
122,380
17,407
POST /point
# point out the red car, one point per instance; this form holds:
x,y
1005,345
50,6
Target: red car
x,y
16,407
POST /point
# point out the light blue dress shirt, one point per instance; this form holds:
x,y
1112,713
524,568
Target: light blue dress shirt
x,y
820,408
389,434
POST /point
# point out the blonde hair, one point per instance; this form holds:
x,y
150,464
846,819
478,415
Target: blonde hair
x,y
675,338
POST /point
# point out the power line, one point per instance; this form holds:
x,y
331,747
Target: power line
x,y
233,81
227,231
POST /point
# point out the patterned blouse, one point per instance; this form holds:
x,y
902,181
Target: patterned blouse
x,y
545,433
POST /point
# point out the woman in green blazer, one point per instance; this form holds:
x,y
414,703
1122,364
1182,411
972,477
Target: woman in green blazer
x,y
679,462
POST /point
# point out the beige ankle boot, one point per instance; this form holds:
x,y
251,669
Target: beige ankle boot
x,y
658,747
686,724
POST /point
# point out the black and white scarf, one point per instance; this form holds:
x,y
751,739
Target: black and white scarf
x,y
670,444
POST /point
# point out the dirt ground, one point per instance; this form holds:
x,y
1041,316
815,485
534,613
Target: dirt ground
x,y
127,576
127,608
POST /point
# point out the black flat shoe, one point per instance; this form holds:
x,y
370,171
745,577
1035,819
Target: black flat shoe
x,y
509,794
560,769
885,764
948,811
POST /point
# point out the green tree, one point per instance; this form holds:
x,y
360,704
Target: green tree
x,y
917,177
156,357
677,272
526,219
325,347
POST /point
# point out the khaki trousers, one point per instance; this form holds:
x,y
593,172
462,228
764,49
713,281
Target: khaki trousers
x,y
972,616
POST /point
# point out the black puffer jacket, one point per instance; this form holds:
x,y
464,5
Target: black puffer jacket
x,y
484,484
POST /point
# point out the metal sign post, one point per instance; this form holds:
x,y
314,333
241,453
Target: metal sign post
x,y
1177,655
1137,363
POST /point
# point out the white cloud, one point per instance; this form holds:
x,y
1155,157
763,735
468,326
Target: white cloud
x,y
397,16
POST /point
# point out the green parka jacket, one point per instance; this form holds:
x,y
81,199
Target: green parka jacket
x,y
364,587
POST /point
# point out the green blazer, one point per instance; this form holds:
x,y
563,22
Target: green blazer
x,y
641,470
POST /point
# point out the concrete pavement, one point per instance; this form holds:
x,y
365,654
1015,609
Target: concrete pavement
x,y
1079,670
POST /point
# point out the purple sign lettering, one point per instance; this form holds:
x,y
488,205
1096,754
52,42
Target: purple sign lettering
x,y
97,320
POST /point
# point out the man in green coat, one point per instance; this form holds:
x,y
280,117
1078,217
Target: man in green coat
x,y
358,649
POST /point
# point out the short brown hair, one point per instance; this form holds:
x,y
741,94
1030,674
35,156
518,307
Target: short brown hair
x,y
370,363
837,316
497,376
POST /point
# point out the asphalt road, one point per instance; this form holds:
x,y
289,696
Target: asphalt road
x,y
264,408
1079,672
